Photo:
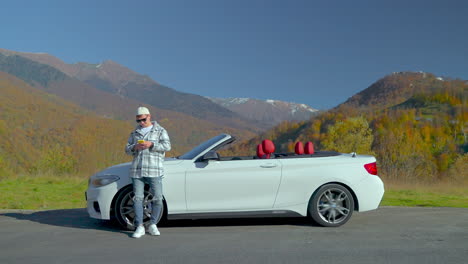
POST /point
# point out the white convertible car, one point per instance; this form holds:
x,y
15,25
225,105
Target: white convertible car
x,y
326,186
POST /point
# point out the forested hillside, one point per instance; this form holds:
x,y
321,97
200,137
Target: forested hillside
x,y
40,132
415,124
101,86
185,130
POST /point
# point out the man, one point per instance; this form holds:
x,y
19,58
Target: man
x,y
147,144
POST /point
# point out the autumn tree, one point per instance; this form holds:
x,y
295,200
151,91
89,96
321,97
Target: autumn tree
x,y
350,135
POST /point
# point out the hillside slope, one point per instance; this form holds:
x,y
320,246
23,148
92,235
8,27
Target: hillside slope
x,y
394,89
122,82
42,132
414,123
186,130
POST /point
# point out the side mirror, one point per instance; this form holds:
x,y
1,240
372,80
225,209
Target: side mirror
x,y
211,155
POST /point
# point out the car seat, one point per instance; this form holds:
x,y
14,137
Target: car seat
x,y
268,147
299,148
309,148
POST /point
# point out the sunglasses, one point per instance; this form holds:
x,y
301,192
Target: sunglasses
x,y
141,120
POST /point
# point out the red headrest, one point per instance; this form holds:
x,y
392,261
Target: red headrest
x,y
268,146
260,152
299,148
309,148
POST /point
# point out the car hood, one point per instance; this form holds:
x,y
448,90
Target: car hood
x,y
167,162
171,161
122,169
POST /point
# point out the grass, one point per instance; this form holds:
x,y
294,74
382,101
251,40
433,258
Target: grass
x,y
47,192
430,195
42,192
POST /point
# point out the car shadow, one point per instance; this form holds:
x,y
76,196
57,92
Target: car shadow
x,y
261,221
74,218
79,218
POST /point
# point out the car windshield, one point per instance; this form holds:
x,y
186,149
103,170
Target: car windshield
x,y
200,148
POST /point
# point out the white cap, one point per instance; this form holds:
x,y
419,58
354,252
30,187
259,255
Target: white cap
x,y
142,111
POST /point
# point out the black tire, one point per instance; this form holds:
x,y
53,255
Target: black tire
x,y
332,205
123,208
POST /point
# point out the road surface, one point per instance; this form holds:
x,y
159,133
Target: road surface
x,y
386,235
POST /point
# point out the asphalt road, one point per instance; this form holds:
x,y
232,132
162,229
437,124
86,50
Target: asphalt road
x,y
387,235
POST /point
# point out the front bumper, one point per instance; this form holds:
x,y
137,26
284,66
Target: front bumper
x,y
99,200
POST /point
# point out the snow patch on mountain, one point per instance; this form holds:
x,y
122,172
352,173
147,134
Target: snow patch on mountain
x,y
267,111
238,100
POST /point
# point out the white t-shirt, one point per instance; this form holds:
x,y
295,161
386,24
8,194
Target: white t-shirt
x,y
145,130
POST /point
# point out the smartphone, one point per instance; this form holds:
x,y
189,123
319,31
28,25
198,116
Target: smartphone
x,y
141,141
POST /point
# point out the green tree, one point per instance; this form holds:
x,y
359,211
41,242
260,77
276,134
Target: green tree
x,y
351,135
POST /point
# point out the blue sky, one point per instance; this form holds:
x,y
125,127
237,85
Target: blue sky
x,y
315,52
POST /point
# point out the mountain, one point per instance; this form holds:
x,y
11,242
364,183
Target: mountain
x,y
121,81
51,80
186,130
269,112
394,89
416,124
42,58
419,94
41,132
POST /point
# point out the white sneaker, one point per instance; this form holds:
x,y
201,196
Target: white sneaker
x,y
153,230
140,231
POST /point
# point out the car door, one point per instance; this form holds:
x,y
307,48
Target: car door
x,y
233,185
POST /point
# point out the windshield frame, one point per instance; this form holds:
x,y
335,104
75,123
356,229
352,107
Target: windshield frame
x,y
204,147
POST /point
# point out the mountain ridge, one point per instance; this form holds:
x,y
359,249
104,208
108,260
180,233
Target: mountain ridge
x,y
186,130
394,89
270,112
415,124
111,77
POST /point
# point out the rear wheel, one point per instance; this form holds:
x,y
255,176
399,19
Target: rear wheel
x,y
123,208
331,206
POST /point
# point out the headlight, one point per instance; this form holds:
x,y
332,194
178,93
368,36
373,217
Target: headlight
x,y
103,180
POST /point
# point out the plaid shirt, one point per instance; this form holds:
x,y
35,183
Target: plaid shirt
x,y
148,162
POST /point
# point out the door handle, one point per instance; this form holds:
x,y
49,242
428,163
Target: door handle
x,y
268,165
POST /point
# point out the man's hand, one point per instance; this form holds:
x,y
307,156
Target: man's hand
x,y
144,145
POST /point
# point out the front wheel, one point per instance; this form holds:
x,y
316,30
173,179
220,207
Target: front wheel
x,y
331,206
123,208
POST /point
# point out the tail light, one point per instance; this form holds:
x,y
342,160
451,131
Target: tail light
x,y
371,168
